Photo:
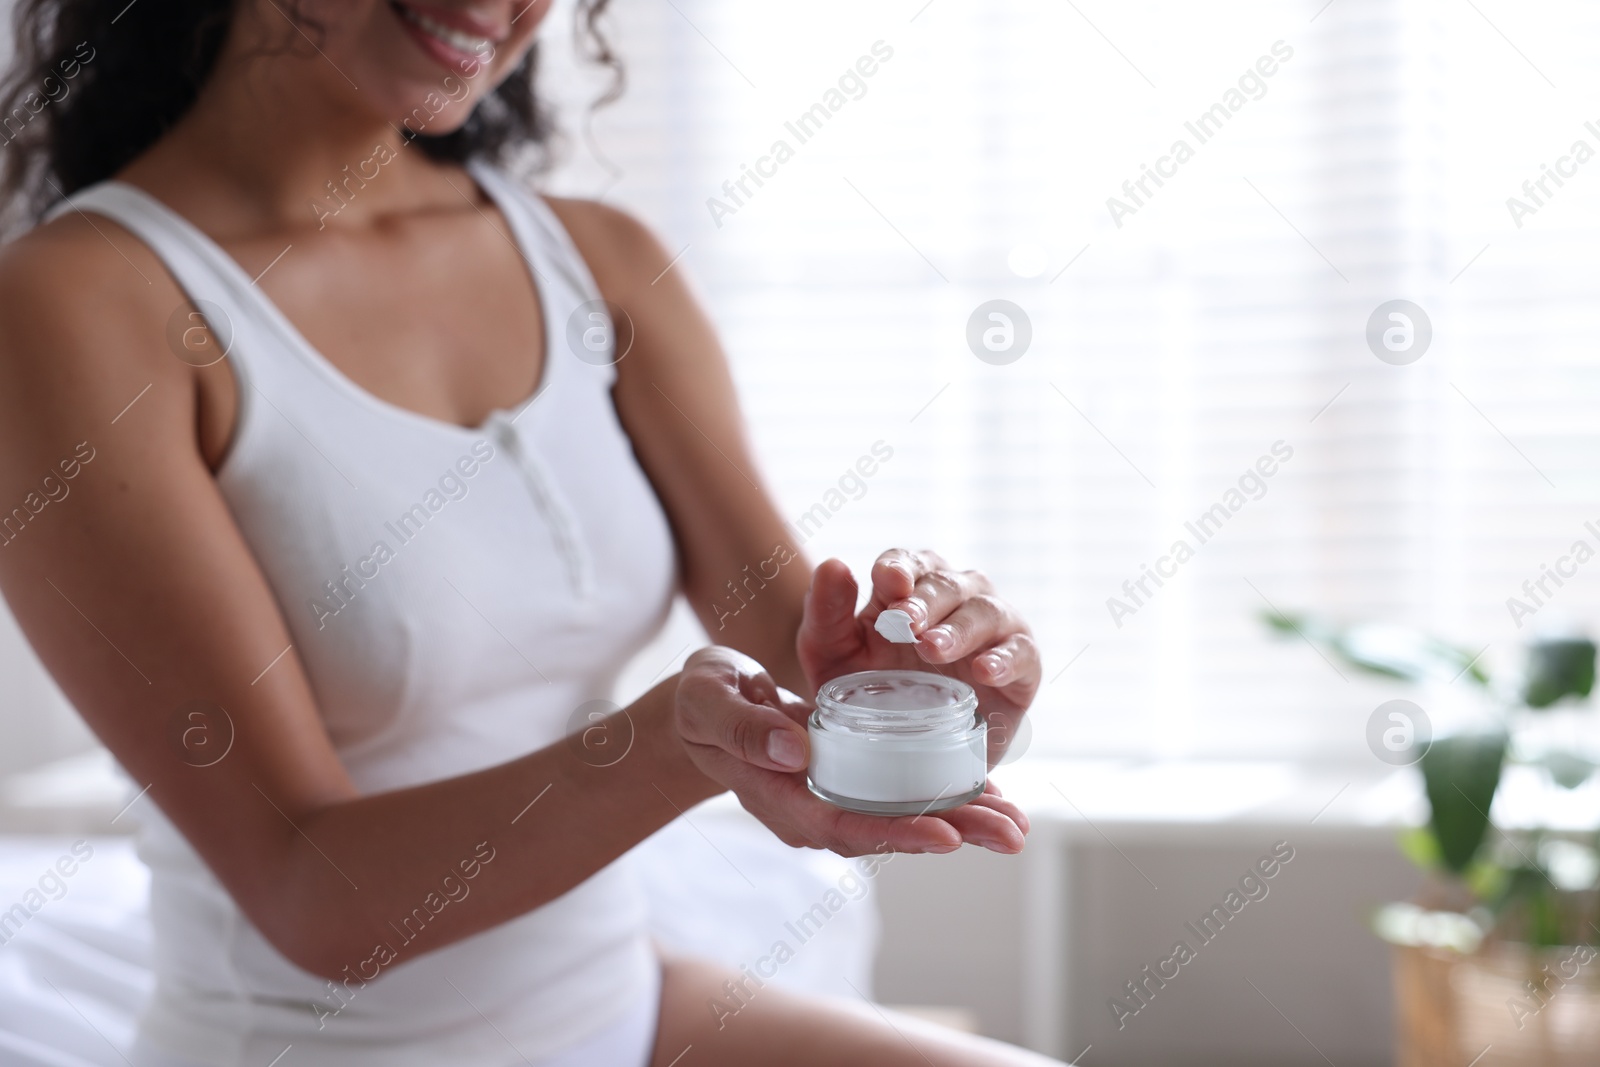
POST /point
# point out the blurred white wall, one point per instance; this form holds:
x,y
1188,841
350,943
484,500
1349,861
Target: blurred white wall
x,y
36,722
955,929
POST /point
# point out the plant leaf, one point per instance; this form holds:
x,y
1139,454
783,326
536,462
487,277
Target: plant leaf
x,y
1401,652
1460,774
1567,768
1488,880
1545,916
1517,884
1383,649
1418,845
1558,668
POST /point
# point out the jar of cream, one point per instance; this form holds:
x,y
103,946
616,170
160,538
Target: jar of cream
x,y
897,743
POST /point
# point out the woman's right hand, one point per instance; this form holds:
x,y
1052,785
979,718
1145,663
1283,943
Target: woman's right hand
x,y
747,733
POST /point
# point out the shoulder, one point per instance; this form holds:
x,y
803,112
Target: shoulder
x,y
54,273
623,254
85,305
672,332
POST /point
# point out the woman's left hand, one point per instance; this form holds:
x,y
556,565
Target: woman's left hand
x,y
957,619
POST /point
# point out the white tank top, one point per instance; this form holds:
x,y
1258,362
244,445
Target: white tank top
x,y
455,595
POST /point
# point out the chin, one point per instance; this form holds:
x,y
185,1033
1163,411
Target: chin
x,y
435,115
428,62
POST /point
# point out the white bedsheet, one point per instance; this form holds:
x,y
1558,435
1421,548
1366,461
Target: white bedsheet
x,y
74,974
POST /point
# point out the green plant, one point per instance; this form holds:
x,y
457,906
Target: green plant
x,y
1532,885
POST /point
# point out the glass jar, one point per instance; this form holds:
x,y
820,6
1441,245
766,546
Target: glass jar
x,y
897,743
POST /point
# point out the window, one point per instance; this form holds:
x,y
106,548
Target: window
x,y
1222,311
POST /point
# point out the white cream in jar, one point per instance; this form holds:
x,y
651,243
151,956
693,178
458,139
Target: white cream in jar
x,y
897,743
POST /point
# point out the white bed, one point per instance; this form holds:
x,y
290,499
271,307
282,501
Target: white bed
x,y
74,962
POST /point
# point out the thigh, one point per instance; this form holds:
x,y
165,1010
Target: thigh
x,y
715,1017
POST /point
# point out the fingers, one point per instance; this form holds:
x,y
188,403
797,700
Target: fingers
x,y
896,572
788,807
828,624
857,833
992,799
981,621
748,733
923,586
956,616
797,709
761,689
987,822
726,701
990,821
799,817
1012,660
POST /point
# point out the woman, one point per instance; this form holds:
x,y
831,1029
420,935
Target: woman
x,y
337,582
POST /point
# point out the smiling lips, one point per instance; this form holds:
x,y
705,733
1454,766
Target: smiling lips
x,y
450,37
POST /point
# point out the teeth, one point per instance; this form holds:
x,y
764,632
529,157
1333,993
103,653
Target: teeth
x,y
466,42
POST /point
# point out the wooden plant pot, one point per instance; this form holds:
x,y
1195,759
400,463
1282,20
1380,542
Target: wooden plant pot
x,y
1504,1004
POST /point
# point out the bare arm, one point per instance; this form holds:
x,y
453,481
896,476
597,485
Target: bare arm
x,y
675,396
139,594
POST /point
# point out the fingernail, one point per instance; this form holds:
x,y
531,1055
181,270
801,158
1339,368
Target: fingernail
x,y
993,663
786,750
939,637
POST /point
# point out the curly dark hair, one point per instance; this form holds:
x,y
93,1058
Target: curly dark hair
x,y
96,82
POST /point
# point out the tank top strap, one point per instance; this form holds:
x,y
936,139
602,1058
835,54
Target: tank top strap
x,y
580,318
215,284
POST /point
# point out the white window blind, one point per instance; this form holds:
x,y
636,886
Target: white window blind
x,y
1171,352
